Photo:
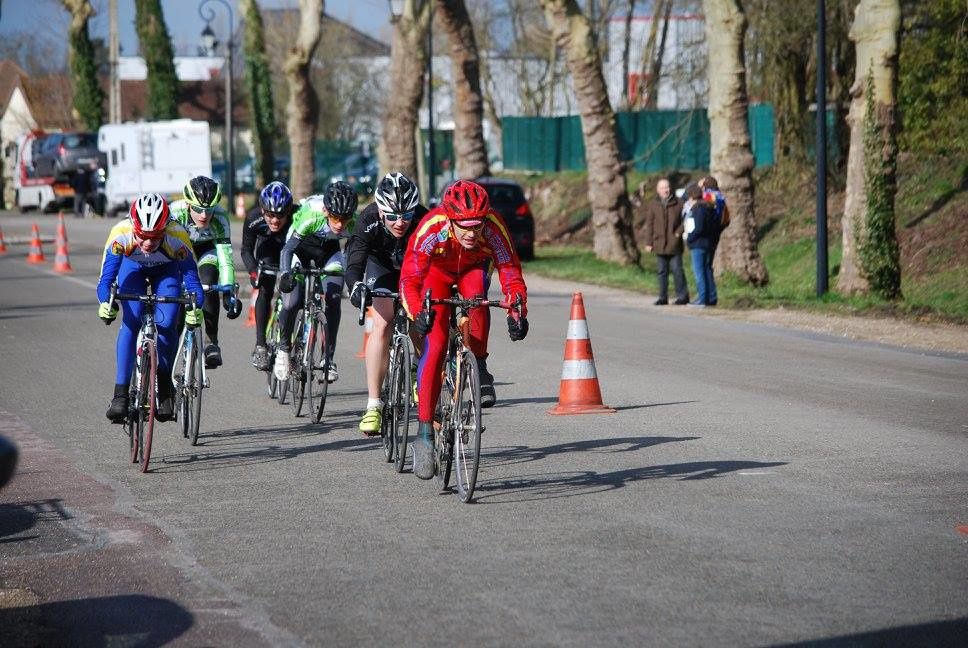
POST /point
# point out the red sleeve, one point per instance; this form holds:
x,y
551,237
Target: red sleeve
x,y
506,261
416,261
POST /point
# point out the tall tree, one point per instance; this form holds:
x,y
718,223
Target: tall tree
x,y
730,150
259,84
872,159
159,59
611,208
88,96
408,64
469,147
647,91
302,111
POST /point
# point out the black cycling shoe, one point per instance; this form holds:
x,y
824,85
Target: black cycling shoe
x,y
213,356
166,400
488,395
260,358
119,405
118,410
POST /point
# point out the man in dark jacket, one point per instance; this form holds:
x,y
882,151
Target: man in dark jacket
x,y
702,232
663,236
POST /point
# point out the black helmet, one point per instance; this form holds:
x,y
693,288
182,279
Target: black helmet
x,y
202,192
340,199
396,194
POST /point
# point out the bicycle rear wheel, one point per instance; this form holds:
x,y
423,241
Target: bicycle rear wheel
x,y
401,395
137,392
467,429
193,391
444,437
150,373
297,377
320,382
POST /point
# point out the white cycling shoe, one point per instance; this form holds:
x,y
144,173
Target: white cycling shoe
x,y
281,368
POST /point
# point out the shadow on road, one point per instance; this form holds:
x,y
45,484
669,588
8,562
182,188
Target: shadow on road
x,y
205,458
131,620
19,517
622,408
569,484
937,634
508,455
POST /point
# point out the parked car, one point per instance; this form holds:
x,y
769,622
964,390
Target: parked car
x,y
59,154
507,199
360,171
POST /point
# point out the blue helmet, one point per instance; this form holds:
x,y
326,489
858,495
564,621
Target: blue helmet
x,y
275,197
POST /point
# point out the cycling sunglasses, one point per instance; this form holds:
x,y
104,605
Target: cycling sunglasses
x,y
393,216
469,226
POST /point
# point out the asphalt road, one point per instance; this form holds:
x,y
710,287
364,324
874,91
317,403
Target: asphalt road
x,y
757,487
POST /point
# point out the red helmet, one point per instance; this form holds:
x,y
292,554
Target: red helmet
x,y
466,202
149,216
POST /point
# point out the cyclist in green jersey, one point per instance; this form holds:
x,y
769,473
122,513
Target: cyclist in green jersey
x,y
317,227
208,229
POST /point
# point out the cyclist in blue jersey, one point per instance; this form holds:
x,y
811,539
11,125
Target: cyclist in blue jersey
x,y
147,249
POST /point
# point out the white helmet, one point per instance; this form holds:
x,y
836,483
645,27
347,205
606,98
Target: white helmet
x,y
149,216
396,194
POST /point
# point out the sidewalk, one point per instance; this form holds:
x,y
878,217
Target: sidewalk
x,y
79,566
944,338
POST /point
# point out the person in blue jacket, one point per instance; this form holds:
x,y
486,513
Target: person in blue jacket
x,y
701,229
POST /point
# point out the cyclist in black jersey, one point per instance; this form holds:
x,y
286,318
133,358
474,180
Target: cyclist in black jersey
x,y
263,237
374,256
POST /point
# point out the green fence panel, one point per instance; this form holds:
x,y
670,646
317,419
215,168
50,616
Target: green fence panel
x,y
652,140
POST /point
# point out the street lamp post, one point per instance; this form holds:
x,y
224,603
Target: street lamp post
x,y
821,149
396,11
208,40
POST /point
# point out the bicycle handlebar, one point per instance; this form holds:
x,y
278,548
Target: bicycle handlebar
x,y
367,293
474,302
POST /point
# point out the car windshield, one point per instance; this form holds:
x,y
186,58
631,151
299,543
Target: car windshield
x,y
79,140
505,194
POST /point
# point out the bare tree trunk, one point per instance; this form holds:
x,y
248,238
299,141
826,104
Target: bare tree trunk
x,y
408,65
875,36
626,46
611,209
303,110
655,73
469,147
730,151
648,53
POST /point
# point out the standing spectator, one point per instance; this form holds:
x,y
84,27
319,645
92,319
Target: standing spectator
x,y
701,231
81,184
712,195
663,236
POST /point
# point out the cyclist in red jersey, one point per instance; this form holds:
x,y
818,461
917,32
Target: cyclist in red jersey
x,y
453,244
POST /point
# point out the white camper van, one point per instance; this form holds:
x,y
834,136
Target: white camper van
x,y
153,157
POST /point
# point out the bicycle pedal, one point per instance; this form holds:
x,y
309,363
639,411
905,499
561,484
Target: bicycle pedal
x,y
206,383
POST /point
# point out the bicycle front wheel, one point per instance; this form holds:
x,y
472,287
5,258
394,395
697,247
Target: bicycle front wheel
x,y
401,397
444,437
297,377
193,390
467,429
149,359
319,385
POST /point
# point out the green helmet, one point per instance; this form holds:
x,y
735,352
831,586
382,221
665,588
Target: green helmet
x,y
202,192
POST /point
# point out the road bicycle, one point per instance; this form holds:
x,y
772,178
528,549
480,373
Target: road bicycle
x,y
399,408
274,387
189,375
139,423
457,440
309,363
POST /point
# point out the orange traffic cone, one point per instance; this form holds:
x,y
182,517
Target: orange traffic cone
x,y
579,392
250,321
61,262
367,329
3,246
36,253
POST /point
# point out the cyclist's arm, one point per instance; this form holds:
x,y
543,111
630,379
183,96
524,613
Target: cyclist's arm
x,y
285,257
416,264
223,250
249,238
110,264
189,273
506,262
357,251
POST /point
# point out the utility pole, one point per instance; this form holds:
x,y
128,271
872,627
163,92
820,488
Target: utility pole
x,y
821,149
114,91
431,137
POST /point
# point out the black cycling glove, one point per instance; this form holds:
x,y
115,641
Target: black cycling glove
x,y
357,294
517,329
286,282
423,321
